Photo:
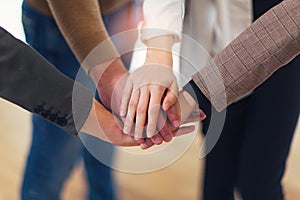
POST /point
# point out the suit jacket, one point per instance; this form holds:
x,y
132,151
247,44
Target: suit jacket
x,y
29,81
212,24
269,43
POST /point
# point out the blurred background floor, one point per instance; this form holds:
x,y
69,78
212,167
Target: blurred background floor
x,y
181,180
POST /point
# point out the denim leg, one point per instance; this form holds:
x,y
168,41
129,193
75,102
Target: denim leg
x,y
52,156
99,188
53,152
125,18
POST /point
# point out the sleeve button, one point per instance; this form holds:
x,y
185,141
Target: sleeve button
x,y
46,113
53,118
62,121
38,110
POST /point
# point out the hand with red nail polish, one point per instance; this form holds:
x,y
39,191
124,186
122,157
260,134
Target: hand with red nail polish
x,y
187,110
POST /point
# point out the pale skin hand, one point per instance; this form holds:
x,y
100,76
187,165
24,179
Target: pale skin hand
x,y
106,76
150,86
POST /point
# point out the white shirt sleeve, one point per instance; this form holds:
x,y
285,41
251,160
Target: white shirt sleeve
x,y
162,17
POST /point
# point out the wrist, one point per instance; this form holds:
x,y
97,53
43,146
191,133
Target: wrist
x,y
160,50
159,56
106,76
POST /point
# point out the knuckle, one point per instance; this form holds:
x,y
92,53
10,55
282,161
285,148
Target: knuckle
x,y
158,87
163,132
151,113
141,110
132,104
153,110
128,123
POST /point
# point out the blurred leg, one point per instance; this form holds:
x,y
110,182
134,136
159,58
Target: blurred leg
x,y
271,122
221,163
125,18
43,34
52,156
99,188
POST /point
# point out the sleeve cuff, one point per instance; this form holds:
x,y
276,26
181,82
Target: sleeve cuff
x,y
199,97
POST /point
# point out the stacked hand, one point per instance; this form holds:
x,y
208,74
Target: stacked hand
x,y
146,90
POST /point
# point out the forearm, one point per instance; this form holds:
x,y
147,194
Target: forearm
x,y
268,44
161,29
159,50
29,81
82,25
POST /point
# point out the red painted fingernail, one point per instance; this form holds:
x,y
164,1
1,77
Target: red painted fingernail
x,y
176,123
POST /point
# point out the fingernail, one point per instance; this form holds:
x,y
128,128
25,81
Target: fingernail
x,y
203,116
157,140
176,123
137,139
168,138
150,133
166,106
122,113
126,130
143,145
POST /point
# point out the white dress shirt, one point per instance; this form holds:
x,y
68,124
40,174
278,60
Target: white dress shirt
x,y
223,19
162,17
210,23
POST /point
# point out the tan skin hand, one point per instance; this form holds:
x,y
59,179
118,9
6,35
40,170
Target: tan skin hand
x,y
101,124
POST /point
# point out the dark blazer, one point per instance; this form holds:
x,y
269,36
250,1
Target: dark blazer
x,y
31,82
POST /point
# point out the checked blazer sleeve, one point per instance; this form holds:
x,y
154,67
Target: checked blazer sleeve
x,y
269,43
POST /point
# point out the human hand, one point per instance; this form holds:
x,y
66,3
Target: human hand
x,y
110,78
187,108
106,76
100,123
146,89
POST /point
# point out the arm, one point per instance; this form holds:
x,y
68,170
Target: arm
x,y
268,44
82,25
158,85
29,81
279,28
22,69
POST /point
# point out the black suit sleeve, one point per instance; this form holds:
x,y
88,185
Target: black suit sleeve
x,y
195,92
29,81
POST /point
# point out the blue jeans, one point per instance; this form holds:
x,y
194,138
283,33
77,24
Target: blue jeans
x,y
54,153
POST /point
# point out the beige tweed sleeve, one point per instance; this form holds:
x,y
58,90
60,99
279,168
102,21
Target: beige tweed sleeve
x,y
269,43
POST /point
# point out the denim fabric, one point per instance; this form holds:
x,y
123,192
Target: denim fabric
x,y
54,153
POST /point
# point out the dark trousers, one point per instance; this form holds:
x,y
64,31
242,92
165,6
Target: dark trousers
x,y
251,153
